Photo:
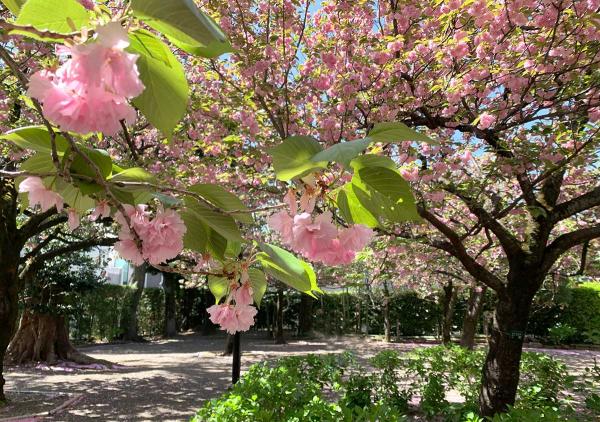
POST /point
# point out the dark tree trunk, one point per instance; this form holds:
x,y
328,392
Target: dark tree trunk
x,y
501,367
9,300
10,248
44,338
387,324
448,302
129,320
305,316
279,339
170,286
472,315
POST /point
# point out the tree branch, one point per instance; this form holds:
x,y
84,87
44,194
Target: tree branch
x,y
565,242
458,250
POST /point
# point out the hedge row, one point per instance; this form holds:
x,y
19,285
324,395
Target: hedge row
x,y
97,313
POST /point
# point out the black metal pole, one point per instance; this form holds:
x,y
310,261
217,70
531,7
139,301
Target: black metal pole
x,y
237,359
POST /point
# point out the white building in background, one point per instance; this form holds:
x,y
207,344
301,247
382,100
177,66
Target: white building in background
x,y
118,271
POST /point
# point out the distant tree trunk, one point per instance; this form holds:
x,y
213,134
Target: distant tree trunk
x,y
170,287
305,316
44,338
129,320
472,315
448,302
387,325
279,339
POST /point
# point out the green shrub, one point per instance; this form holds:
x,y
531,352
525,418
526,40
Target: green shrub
x,y
549,414
583,312
292,390
436,370
387,380
336,388
561,333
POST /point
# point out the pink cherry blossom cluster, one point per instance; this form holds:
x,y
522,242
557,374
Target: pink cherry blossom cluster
x,y
318,238
235,317
161,237
39,194
90,91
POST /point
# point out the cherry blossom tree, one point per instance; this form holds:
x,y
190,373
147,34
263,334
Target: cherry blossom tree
x,y
510,91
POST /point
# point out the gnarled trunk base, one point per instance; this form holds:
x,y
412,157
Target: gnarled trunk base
x,y
45,338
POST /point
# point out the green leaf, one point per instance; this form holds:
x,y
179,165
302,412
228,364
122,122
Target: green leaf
x,y
222,199
217,245
164,100
372,160
38,163
343,152
233,250
397,132
388,194
222,224
285,267
35,138
292,158
133,174
53,15
196,234
74,196
258,282
184,25
98,157
219,287
351,208
13,5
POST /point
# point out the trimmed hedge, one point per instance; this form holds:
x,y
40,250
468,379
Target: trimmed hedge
x,y
97,313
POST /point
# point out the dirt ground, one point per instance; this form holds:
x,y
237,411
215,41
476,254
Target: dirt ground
x,y
168,380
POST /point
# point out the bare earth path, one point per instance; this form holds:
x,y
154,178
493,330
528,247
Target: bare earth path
x,y
168,380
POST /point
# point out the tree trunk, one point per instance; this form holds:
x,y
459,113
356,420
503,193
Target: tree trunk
x,y
10,247
170,286
387,325
501,367
448,302
279,339
129,320
472,315
44,338
305,317
9,300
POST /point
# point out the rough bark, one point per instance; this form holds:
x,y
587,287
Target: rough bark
x,y
170,287
44,338
501,367
305,316
8,310
9,263
448,302
279,338
472,315
129,320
